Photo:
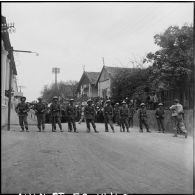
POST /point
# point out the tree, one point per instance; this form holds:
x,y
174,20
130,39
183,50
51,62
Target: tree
x,y
173,62
128,83
64,90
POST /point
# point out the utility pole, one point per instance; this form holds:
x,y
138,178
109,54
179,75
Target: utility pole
x,y
103,61
56,71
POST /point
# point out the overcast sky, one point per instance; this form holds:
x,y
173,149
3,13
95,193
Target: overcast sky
x,y
70,35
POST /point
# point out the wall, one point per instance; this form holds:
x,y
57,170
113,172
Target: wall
x,y
103,85
168,122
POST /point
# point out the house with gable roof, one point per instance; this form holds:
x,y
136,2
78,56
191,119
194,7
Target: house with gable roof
x,y
87,85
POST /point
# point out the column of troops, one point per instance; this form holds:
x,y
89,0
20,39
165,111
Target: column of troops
x,y
122,115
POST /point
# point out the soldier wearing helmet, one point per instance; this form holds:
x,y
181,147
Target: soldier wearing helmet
x,y
108,115
90,114
55,110
124,115
71,113
40,110
142,116
22,110
116,115
160,117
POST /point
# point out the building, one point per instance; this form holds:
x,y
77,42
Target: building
x,y
105,79
87,85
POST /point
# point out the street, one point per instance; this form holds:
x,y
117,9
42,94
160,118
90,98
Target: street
x,y
46,162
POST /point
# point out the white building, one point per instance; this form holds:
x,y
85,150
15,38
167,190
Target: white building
x,y
105,79
87,85
7,62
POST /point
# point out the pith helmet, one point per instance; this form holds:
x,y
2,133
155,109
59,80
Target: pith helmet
x,y
123,102
55,97
117,103
160,104
71,100
23,97
39,98
89,100
108,101
142,104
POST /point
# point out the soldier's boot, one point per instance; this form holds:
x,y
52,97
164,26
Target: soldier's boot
x,y
26,129
148,131
88,130
186,134
39,129
22,129
128,131
75,130
106,130
96,130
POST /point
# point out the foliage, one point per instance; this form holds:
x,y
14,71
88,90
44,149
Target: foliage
x,y
126,84
64,90
173,62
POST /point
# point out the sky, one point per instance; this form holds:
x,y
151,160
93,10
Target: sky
x,y
75,36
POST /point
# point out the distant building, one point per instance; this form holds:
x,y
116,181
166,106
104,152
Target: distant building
x,y
105,79
87,85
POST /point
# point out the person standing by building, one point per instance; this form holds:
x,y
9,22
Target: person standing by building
x,y
71,111
22,110
55,110
89,114
178,120
124,115
108,116
160,118
40,110
142,116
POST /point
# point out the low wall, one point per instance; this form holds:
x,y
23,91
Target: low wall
x,y
14,117
188,117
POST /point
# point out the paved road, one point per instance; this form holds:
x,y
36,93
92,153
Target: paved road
x,y
95,163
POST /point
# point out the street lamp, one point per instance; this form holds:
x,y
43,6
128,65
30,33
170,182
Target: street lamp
x,y
10,83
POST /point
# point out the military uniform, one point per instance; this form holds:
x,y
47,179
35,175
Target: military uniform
x,y
160,118
55,110
40,110
90,113
22,110
108,117
71,115
124,115
142,116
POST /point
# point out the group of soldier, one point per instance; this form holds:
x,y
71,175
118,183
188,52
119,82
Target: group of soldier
x,y
123,115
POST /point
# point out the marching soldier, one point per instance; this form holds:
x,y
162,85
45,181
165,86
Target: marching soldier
x,y
131,113
160,117
55,110
89,114
108,116
178,120
124,115
40,110
142,116
22,110
71,112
